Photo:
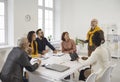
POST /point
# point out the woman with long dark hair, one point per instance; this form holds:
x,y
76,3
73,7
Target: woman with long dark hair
x,y
33,44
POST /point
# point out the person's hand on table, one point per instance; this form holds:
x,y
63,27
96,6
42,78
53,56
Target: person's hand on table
x,y
55,51
84,58
66,52
59,50
39,62
45,51
78,59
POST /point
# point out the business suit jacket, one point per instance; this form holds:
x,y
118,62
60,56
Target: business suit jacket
x,y
12,70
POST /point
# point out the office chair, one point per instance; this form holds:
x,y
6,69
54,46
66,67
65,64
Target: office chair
x,y
91,77
107,74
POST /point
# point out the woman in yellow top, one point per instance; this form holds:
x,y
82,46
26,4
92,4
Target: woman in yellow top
x,y
94,28
33,44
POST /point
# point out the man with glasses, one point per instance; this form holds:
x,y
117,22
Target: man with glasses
x,y
42,42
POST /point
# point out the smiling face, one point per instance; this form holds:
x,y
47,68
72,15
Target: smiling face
x,y
40,33
66,37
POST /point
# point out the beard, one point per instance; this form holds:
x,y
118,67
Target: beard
x,y
42,36
93,26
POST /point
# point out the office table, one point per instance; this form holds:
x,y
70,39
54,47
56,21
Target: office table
x,y
52,75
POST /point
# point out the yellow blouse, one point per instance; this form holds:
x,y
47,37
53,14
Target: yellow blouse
x,y
36,53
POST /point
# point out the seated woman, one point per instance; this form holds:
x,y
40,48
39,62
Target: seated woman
x,y
99,59
33,44
68,45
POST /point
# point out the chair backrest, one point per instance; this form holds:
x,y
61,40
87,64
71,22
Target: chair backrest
x,y
1,61
91,78
3,56
107,74
109,53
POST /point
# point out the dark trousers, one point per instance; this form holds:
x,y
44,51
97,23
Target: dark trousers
x,y
84,74
90,50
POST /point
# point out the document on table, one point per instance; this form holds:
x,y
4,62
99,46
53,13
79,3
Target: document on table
x,y
59,54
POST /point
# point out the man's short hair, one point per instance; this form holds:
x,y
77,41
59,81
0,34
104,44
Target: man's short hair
x,y
38,31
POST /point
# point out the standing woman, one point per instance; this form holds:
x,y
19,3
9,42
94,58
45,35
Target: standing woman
x,y
68,46
33,44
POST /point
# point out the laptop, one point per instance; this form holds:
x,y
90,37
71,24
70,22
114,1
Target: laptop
x,y
57,67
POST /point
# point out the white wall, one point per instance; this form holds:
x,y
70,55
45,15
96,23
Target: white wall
x,y
71,15
57,25
17,25
10,22
22,8
77,14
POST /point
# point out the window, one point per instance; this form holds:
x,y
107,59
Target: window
x,y
2,23
46,16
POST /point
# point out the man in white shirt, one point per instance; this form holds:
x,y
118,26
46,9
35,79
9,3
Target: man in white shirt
x,y
99,59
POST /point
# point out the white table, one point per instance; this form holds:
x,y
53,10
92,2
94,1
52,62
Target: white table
x,y
54,75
